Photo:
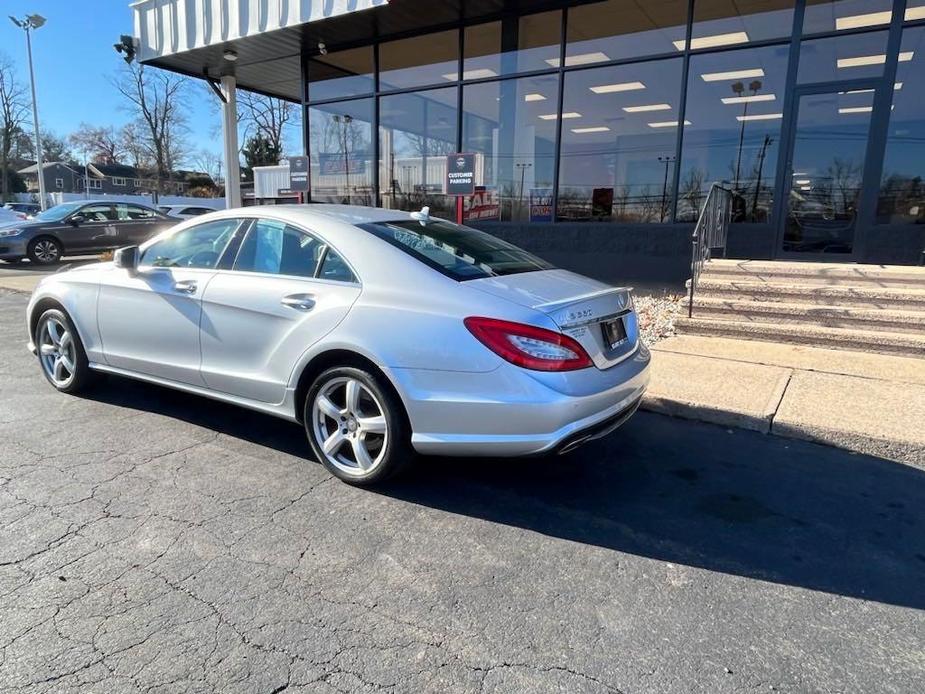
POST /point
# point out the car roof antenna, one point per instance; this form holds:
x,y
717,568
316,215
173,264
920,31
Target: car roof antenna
x,y
423,216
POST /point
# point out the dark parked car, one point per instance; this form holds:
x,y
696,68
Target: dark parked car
x,y
77,228
27,208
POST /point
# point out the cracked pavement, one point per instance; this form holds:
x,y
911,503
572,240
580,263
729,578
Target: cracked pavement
x,y
152,541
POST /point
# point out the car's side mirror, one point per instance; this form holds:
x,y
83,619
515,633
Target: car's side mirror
x,y
127,258
77,218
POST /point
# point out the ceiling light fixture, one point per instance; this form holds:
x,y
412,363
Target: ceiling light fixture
x,y
553,116
760,116
580,59
856,109
648,107
594,129
866,60
667,124
747,99
476,74
714,41
732,75
803,181
230,55
871,19
534,97
619,87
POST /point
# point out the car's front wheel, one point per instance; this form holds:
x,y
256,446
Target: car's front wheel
x,y
356,426
61,353
45,251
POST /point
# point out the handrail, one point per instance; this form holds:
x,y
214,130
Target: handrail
x,y
710,232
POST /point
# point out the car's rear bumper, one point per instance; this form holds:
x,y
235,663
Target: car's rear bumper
x,y
514,412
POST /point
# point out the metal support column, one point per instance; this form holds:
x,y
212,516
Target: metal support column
x,y
230,142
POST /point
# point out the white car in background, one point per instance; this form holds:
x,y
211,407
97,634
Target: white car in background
x,y
184,211
379,331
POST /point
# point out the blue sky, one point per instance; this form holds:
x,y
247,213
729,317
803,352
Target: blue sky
x,y
74,60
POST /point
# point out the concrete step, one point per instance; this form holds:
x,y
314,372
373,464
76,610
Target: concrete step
x,y
861,318
816,274
898,298
881,342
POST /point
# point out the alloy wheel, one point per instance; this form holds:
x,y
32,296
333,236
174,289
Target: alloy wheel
x,y
46,251
349,425
57,352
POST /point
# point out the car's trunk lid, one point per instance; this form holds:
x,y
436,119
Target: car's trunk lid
x,y
580,306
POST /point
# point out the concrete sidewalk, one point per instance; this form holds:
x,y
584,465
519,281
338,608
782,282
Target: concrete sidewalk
x,y
864,402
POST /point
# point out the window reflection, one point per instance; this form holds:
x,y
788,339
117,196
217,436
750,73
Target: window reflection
x,y
617,160
842,15
341,73
902,186
416,133
340,138
617,29
514,45
732,130
843,58
513,133
830,144
729,22
418,61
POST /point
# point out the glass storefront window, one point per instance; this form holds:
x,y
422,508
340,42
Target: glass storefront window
x,y
616,29
416,132
730,22
419,61
514,45
341,147
341,73
842,15
513,134
843,58
902,186
617,159
829,148
732,129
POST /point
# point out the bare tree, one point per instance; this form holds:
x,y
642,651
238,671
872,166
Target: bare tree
x,y
156,98
101,143
845,177
266,116
131,140
13,111
208,163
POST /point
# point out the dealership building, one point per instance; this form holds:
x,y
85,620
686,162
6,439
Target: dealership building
x,y
597,128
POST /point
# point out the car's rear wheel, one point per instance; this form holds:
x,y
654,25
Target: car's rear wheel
x,y
356,426
61,353
45,251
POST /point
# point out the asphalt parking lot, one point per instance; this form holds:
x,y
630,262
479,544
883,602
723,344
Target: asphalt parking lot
x,y
154,541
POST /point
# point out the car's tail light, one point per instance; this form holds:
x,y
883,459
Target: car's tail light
x,y
529,346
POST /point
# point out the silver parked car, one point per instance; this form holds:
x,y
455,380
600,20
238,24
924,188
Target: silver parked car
x,y
381,332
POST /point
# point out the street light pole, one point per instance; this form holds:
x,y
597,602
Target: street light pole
x,y
30,22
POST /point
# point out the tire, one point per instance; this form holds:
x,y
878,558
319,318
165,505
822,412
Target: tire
x,y
61,354
45,250
374,422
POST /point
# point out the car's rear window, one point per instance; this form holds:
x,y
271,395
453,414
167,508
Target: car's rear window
x,y
456,251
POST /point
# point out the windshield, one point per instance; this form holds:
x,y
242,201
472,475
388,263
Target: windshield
x,y
457,251
58,212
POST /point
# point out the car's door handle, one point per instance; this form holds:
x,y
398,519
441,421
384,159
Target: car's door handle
x,y
302,302
185,286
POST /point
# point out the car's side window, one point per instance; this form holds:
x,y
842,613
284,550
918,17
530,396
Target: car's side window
x,y
200,246
279,249
333,267
126,211
97,213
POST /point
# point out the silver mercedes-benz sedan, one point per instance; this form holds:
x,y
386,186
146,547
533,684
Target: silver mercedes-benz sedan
x,y
383,333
